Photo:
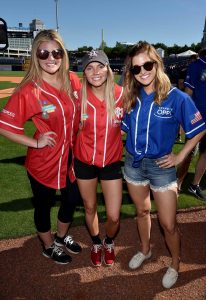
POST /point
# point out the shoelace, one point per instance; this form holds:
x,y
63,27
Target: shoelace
x,y
68,239
58,250
96,248
109,247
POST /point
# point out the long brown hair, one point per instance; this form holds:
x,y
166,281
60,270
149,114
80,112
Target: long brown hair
x,y
132,86
34,72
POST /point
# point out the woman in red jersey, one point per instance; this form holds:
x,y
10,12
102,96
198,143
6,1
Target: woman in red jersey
x,y
98,151
46,95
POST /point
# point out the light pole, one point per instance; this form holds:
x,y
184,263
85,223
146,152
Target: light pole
x,y
57,25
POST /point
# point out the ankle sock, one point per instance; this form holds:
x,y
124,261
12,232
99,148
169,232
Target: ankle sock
x,y
96,239
108,240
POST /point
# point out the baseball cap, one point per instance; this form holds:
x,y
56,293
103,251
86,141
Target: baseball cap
x,y
95,55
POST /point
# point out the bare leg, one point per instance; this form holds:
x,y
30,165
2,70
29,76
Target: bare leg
x,y
166,203
200,169
46,238
141,198
88,190
112,190
62,228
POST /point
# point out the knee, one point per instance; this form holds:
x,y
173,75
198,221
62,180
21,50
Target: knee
x,y
114,220
169,228
90,210
142,213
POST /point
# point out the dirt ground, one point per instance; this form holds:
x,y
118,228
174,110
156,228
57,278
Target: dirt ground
x,y
26,274
8,92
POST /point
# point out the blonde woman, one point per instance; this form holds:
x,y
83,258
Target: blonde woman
x,y
46,96
98,151
154,111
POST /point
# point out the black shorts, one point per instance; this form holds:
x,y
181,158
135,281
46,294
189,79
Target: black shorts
x,y
109,172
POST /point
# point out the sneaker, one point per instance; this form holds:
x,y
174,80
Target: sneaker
x,y
170,278
109,256
196,190
69,243
96,255
138,259
57,254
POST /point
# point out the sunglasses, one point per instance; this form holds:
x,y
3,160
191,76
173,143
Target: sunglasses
x,y
44,54
148,66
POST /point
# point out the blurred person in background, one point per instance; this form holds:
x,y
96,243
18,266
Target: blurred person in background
x,y
195,86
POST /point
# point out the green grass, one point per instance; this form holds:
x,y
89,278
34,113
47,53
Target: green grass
x,y
16,212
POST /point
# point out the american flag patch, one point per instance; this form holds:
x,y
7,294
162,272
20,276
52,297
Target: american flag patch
x,y
197,117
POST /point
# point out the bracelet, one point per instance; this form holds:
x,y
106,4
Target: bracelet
x,y
37,146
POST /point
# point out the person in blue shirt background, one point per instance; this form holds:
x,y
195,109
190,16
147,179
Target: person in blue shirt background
x,y
195,86
154,111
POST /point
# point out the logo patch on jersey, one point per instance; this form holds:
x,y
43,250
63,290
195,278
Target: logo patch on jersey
x,y
47,108
119,112
9,113
163,112
84,117
197,117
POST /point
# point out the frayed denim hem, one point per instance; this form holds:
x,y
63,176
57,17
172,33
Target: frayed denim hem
x,y
170,186
129,180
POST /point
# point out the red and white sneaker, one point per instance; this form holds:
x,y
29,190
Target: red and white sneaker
x,y
96,255
109,255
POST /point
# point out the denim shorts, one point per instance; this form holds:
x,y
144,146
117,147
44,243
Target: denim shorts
x,y
149,173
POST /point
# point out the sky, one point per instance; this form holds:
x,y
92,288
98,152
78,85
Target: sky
x,y
81,22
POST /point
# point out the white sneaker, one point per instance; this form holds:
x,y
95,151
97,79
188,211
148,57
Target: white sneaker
x,y
170,278
138,259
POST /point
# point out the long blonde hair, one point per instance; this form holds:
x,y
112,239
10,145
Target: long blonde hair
x,y
108,95
34,72
132,87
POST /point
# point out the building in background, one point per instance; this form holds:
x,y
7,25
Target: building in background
x,y
20,39
203,42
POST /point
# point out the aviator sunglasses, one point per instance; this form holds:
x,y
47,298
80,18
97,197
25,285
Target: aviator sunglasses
x,y
44,54
148,66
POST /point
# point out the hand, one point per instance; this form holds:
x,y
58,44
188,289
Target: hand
x,y
167,161
46,139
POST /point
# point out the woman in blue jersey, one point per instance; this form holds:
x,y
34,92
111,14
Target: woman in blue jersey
x,y
154,111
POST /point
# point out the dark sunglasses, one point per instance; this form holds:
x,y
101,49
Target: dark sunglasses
x,y
148,66
44,54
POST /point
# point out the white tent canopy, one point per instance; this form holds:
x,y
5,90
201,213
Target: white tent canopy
x,y
187,53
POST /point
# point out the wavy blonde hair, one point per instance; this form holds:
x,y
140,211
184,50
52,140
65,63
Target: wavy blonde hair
x,y
132,87
34,72
108,95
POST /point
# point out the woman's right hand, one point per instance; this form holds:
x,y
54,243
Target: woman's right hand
x,y
46,139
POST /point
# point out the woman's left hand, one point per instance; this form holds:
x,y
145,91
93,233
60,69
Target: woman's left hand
x,y
167,161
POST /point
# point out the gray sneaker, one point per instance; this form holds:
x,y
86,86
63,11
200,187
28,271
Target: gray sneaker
x,y
170,278
138,259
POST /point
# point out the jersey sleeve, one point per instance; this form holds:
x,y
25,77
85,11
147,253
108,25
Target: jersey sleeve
x,y
125,123
189,117
21,107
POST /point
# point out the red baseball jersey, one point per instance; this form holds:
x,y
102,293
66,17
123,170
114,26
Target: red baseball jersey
x,y
99,141
50,110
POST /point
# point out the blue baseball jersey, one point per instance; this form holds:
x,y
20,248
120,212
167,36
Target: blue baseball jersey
x,y
196,81
152,129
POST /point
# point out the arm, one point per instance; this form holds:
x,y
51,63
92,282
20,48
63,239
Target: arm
x,y
172,159
189,91
44,140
